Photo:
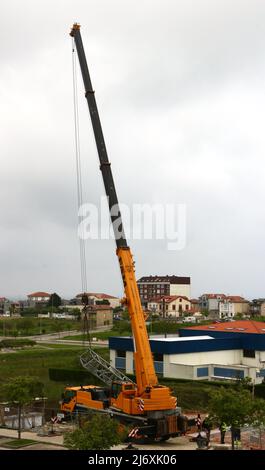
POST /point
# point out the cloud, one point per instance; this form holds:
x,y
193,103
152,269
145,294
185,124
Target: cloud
x,y
180,92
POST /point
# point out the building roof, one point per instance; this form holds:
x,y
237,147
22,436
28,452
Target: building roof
x,y
236,299
163,279
179,338
98,295
258,301
175,345
99,307
214,296
39,294
169,298
237,326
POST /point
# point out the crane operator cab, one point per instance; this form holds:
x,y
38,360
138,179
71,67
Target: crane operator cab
x,y
83,397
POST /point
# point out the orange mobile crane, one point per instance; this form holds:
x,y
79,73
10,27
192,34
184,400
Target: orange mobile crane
x,y
147,403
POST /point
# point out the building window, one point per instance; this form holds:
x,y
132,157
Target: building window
x,y
120,363
173,307
187,307
158,367
202,372
260,373
158,357
120,353
229,373
249,353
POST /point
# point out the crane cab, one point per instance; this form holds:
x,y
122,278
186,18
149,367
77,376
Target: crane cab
x,y
122,395
83,397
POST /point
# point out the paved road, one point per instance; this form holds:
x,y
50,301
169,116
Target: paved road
x,y
56,440
57,337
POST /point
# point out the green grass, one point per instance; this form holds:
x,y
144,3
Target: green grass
x,y
34,326
37,361
16,443
191,395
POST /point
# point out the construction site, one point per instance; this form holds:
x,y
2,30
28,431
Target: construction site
x,y
132,371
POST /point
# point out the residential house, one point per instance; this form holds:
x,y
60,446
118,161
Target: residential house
x,y
100,298
38,299
170,306
210,303
257,308
232,306
195,305
4,305
97,316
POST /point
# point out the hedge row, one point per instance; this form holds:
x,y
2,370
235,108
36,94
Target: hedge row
x,y
73,376
16,343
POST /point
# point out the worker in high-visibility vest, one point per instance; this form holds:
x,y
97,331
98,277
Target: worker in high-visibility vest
x,y
223,429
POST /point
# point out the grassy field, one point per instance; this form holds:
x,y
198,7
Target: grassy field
x,y
38,360
35,326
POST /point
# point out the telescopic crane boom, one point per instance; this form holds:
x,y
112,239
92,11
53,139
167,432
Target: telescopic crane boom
x,y
156,401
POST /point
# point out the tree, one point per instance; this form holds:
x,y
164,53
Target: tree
x,y
100,433
54,301
233,406
20,391
258,412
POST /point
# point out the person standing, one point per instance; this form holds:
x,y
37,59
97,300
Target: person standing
x,y
223,429
206,427
198,422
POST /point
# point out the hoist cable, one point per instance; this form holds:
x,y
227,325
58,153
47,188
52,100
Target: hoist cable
x,y
82,248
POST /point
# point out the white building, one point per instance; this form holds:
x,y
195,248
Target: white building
x,y
170,306
38,299
152,287
208,352
99,297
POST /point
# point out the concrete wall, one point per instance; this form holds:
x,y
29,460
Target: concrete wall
x,y
31,420
112,354
129,362
201,358
180,289
262,309
184,366
178,371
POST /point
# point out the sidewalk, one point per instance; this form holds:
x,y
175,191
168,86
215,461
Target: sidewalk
x,y
52,439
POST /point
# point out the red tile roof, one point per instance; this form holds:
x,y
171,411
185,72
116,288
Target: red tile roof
x,y
100,307
39,294
237,326
169,298
236,299
98,295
